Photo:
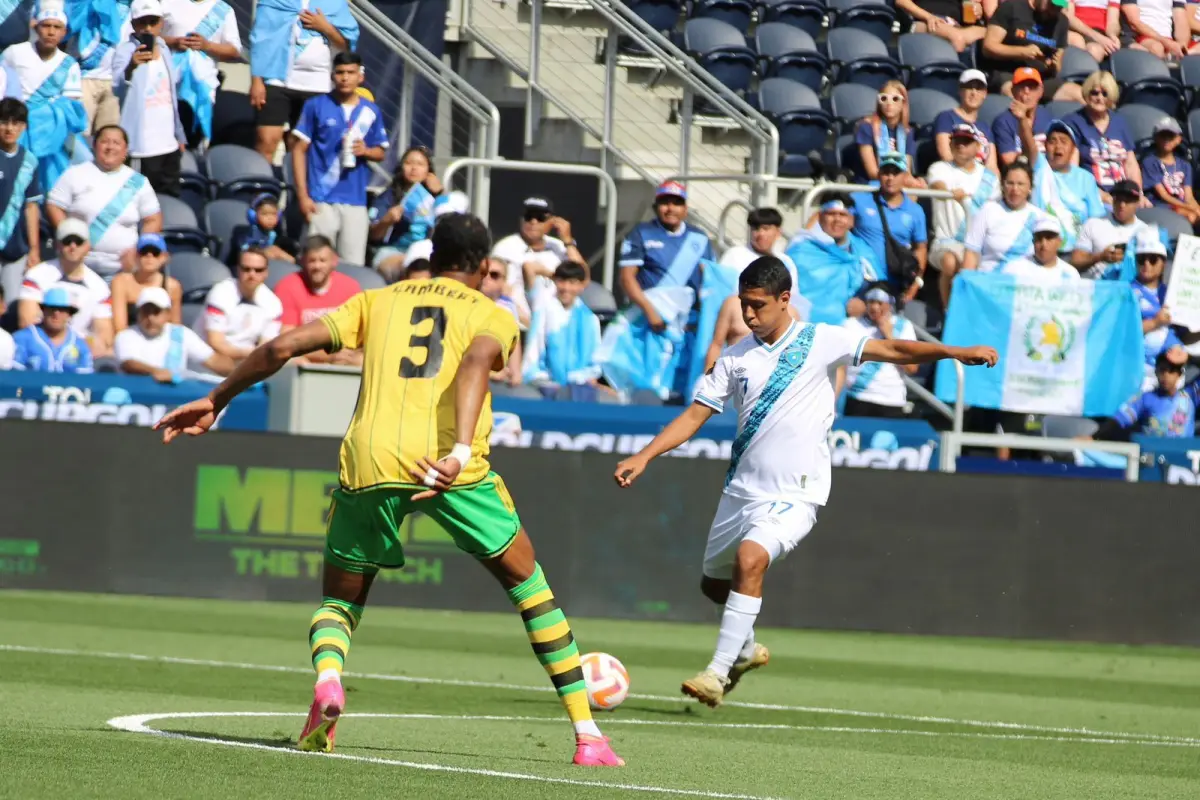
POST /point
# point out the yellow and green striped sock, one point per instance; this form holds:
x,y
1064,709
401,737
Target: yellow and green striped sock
x,y
329,635
554,647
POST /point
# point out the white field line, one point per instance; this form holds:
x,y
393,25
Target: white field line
x,y
138,723
1013,726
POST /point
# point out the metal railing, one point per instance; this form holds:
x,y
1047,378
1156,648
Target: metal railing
x,y
483,135
953,441
606,181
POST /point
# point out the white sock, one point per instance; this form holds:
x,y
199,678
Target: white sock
x,y
737,625
329,675
588,728
748,647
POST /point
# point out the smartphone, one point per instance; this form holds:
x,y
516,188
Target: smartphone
x,y
145,40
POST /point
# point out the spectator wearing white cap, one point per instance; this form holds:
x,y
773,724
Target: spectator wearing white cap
x,y
972,91
1044,265
240,313
1064,191
52,345
114,201
875,389
1100,251
51,86
543,241
89,294
20,190
163,350
766,239
1168,179
972,185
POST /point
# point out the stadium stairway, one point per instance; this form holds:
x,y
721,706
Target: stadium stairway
x,y
572,76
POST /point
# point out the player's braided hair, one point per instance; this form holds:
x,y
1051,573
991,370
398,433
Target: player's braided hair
x,y
460,244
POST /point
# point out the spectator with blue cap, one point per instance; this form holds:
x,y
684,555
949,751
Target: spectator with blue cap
x,y
150,270
876,389
1064,191
832,263
261,232
165,351
890,212
52,345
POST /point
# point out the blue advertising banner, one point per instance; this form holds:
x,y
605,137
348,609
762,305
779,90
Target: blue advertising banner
x,y
111,399
623,430
1168,460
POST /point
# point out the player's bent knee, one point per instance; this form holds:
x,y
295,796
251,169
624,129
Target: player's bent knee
x,y
755,555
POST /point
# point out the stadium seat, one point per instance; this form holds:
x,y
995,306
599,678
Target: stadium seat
x,y
181,229
734,12
807,15
788,52
861,58
233,120
220,218
194,188
847,156
993,106
1146,79
926,157
197,273
1057,109
367,278
1141,120
278,270
923,107
721,49
850,102
796,111
190,314
875,17
1060,427
599,300
658,14
240,172
1166,219
1078,64
931,61
1189,73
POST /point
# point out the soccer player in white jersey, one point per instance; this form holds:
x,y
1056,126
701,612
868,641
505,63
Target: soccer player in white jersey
x,y
779,380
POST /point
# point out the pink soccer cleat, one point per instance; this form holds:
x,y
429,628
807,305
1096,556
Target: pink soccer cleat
x,y
319,731
592,751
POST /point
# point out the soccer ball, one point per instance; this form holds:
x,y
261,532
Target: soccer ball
x,y
607,681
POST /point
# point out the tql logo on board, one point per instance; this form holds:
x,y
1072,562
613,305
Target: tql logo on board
x,y
275,521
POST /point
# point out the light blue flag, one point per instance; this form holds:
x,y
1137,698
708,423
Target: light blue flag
x,y
1071,348
632,356
276,36
561,345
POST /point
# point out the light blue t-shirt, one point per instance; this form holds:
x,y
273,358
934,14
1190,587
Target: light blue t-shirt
x,y
906,223
1071,197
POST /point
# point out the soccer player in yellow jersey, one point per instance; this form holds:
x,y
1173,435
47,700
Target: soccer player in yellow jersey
x,y
418,442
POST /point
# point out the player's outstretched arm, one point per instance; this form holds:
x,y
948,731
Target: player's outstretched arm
x,y
198,416
901,351
676,433
470,390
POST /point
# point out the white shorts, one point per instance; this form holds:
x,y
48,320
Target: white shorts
x,y
777,525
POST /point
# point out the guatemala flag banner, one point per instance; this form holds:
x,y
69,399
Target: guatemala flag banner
x,y
1065,348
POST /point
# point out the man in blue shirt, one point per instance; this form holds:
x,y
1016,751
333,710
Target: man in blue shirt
x,y
51,345
338,133
905,219
20,190
662,254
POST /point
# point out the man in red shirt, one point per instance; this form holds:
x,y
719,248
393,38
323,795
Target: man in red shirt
x,y
315,291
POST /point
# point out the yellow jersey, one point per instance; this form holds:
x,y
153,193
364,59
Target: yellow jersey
x,y
413,335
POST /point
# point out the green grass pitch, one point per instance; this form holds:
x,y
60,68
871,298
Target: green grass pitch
x,y
462,711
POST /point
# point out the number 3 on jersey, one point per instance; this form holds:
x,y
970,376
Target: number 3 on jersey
x,y
428,325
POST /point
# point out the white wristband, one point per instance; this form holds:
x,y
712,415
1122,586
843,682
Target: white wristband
x,y
461,453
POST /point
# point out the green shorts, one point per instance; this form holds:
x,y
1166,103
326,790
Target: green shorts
x,y
364,530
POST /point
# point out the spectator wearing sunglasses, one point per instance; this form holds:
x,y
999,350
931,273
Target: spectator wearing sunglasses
x,y
495,286
240,313
1106,146
88,292
887,131
150,270
542,242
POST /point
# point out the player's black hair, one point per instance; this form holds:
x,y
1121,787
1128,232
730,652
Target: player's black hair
x,y
317,242
420,265
347,57
13,110
767,273
460,244
570,271
764,216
